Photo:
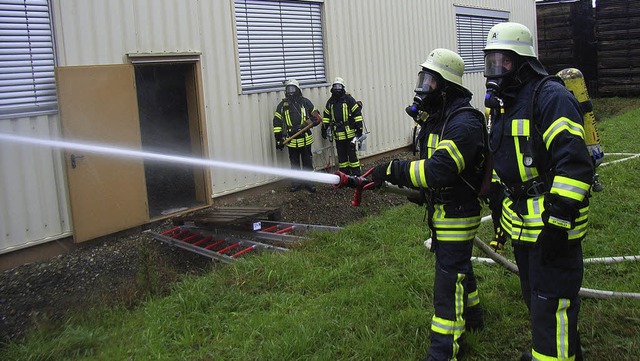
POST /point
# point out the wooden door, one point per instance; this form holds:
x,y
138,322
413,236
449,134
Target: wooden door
x,y
98,104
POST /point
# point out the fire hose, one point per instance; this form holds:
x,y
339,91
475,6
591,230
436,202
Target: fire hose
x,y
361,183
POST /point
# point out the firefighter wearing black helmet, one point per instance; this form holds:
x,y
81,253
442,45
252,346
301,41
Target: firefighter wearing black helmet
x,y
293,114
540,156
449,174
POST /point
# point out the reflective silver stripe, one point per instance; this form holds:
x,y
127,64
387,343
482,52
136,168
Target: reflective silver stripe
x,y
580,192
453,152
558,126
562,329
418,174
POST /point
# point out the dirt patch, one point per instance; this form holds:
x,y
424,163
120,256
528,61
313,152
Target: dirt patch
x,y
126,268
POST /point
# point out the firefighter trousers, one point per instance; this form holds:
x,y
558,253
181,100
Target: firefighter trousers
x,y
300,157
348,162
550,292
455,298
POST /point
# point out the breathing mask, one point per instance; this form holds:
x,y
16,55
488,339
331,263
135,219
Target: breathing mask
x,y
428,93
291,91
500,68
337,90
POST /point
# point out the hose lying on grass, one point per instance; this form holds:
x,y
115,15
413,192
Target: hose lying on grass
x,y
584,292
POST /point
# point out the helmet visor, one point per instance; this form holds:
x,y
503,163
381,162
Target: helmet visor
x,y
427,82
498,64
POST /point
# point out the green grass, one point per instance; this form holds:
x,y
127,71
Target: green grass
x,y
364,293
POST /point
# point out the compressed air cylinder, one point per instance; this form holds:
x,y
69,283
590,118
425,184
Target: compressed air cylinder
x,y
574,81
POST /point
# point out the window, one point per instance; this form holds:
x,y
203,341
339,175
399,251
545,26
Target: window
x,y
278,40
27,82
472,26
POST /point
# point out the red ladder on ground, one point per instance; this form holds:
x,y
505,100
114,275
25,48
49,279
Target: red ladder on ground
x,y
209,244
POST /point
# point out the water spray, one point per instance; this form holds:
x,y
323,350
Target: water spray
x,y
138,154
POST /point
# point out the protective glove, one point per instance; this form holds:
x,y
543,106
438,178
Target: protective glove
x,y
558,218
553,243
324,132
279,144
499,240
392,172
354,142
358,133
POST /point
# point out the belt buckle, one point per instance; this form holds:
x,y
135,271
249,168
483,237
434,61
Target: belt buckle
x,y
536,189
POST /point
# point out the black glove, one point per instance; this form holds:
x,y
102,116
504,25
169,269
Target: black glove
x,y
324,132
553,243
558,218
392,172
358,133
499,240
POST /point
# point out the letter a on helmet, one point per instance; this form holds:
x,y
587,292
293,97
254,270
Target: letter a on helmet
x,y
446,63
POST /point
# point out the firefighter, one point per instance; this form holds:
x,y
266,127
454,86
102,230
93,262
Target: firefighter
x,y
342,121
449,175
540,156
292,115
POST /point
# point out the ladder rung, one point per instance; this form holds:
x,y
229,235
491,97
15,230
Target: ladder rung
x,y
191,238
248,249
167,232
284,230
226,249
206,239
215,244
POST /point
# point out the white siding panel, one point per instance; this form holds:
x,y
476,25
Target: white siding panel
x,y
32,187
375,45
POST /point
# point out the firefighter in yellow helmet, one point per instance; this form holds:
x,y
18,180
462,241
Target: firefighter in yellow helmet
x,y
449,174
342,121
540,156
292,115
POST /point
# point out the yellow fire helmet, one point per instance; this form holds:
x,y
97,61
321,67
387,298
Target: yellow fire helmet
x,y
511,36
446,63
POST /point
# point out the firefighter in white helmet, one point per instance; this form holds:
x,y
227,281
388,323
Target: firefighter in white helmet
x,y
540,156
293,114
342,121
449,174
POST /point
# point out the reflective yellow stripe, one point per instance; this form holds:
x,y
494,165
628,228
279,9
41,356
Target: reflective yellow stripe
x,y
416,172
562,329
446,327
560,125
527,227
536,356
522,128
454,229
473,299
432,143
454,153
570,188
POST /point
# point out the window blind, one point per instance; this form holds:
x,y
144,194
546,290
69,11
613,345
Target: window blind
x,y
279,40
27,82
472,26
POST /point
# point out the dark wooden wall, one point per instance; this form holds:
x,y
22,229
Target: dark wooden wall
x,y
604,43
566,38
618,35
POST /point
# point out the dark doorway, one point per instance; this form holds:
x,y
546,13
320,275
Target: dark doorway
x,y
167,126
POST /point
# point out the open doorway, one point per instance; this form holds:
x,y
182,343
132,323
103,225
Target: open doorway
x,y
169,124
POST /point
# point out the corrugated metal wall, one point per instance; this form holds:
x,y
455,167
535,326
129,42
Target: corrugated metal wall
x,y
32,186
375,45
